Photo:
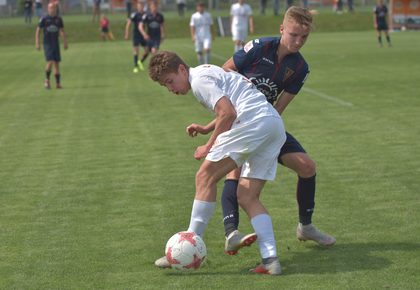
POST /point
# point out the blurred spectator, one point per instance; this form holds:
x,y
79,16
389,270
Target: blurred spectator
x,y
96,12
106,33
38,8
27,10
181,7
263,5
276,7
128,7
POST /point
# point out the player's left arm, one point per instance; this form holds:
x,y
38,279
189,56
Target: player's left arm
x,y
195,129
37,32
283,101
162,31
225,116
64,36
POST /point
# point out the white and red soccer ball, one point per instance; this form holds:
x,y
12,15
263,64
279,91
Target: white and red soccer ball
x,y
185,251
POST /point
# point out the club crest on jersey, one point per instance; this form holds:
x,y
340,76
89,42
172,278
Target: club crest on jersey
x,y
289,72
267,87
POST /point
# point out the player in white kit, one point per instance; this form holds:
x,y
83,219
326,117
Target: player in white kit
x,y
247,131
240,17
202,33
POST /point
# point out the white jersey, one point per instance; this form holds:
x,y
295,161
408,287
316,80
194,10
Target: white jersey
x,y
240,15
202,24
209,83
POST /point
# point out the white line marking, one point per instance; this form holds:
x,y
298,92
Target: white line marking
x,y
327,97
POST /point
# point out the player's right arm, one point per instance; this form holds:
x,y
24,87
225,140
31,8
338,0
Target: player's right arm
x,y
127,29
192,30
225,116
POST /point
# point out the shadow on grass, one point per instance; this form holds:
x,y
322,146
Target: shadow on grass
x,y
343,258
320,260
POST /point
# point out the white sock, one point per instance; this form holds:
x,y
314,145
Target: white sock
x,y
201,213
263,227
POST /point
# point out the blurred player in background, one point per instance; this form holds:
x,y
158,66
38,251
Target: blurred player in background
x,y
52,26
240,19
380,21
201,26
247,132
152,27
138,39
278,70
106,33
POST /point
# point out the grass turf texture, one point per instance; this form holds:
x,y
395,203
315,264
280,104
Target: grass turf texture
x,y
96,177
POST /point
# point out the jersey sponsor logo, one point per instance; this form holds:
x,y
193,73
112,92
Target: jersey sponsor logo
x,y
52,28
268,60
289,72
267,87
248,46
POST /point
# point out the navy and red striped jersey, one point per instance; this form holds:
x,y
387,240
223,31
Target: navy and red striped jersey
x,y
258,62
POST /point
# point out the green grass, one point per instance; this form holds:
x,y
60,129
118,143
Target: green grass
x,y
97,176
80,28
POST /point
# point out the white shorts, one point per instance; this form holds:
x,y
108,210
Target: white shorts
x,y
202,44
254,146
239,34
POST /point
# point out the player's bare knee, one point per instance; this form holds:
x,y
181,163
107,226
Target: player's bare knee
x,y
307,168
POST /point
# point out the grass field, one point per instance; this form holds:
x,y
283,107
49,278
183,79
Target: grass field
x,y
97,176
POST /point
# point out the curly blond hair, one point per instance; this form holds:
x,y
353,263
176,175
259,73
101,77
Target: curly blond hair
x,y
163,63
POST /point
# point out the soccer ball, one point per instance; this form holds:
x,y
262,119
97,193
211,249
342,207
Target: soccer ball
x,y
185,251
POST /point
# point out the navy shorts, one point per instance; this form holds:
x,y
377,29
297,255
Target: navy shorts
x,y
154,42
52,52
290,146
105,29
382,26
138,40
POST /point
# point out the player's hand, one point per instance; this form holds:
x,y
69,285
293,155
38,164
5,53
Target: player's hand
x,y
201,152
126,37
147,37
195,129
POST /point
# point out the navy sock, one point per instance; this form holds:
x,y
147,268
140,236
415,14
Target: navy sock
x,y
305,195
136,59
144,57
57,78
230,206
388,39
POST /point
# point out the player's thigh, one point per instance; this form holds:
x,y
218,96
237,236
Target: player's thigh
x,y
207,44
300,163
262,161
210,172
